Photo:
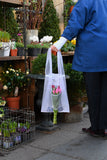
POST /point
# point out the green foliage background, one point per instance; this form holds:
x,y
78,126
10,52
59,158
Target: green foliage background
x,y
8,23
50,24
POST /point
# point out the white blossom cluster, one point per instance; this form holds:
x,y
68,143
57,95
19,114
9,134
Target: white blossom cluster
x,y
46,39
34,38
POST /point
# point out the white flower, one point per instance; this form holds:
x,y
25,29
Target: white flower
x,y
5,87
27,72
34,39
46,39
7,72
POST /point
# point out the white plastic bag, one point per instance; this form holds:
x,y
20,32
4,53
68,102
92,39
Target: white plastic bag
x,y
57,80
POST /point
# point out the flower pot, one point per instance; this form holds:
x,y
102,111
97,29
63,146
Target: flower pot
x,y
20,51
1,53
6,48
13,52
71,8
13,102
54,53
44,50
34,51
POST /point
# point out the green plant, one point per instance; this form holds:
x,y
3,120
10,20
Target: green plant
x,y
50,24
34,45
68,46
4,36
46,45
8,22
13,80
67,5
19,44
38,64
75,84
2,101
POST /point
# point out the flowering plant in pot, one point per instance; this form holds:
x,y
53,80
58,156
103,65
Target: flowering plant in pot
x,y
46,43
13,50
34,48
13,80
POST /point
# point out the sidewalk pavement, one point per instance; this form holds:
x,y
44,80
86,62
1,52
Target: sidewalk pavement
x,y
66,143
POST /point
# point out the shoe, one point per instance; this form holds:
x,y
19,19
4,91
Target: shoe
x,y
91,132
86,130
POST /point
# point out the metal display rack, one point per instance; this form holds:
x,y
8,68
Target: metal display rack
x,y
16,127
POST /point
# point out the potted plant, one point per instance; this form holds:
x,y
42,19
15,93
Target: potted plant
x,y
13,80
68,7
13,50
69,46
20,47
34,19
5,43
46,43
72,4
34,49
7,138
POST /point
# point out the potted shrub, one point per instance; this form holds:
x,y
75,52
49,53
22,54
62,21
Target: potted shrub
x,y
13,80
20,47
34,49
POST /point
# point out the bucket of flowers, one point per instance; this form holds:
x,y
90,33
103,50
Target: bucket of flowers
x,y
56,95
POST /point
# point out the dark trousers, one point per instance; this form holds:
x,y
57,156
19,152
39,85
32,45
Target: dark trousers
x,y
96,87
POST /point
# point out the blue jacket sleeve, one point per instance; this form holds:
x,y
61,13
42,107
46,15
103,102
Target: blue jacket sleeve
x,y
79,17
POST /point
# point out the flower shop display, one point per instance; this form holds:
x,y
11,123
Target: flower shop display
x,y
51,102
13,80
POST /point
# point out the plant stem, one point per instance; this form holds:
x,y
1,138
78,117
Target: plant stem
x,y
55,117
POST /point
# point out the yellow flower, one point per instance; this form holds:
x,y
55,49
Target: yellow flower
x,y
73,41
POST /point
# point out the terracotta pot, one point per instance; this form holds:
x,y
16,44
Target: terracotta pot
x,y
71,8
13,52
54,53
13,102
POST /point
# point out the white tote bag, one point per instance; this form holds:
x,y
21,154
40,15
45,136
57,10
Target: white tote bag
x,y
57,80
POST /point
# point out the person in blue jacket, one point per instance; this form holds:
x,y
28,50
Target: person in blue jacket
x,y
88,23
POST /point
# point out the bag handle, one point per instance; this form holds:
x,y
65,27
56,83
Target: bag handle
x,y
48,67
